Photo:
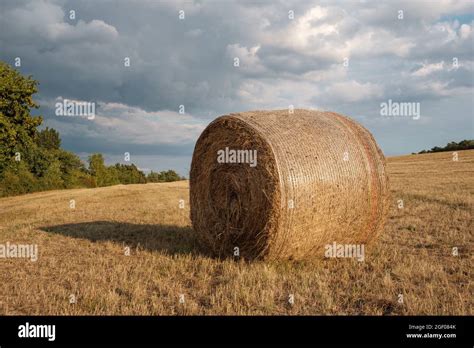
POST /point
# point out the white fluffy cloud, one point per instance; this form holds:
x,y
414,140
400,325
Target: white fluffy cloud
x,y
427,69
131,124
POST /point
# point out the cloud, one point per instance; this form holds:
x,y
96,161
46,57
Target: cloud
x,y
130,125
427,69
353,91
134,125
247,58
283,62
41,20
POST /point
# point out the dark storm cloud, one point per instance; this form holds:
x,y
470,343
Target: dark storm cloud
x,y
116,147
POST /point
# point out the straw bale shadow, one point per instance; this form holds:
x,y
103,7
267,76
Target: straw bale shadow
x,y
163,238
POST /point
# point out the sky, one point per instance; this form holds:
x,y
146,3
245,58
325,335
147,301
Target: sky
x,y
344,56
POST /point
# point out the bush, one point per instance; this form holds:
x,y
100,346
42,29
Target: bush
x,y
165,176
17,180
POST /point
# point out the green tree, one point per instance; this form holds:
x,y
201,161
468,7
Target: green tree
x,y
170,175
38,159
52,177
153,177
17,126
103,175
98,169
111,177
130,174
48,138
73,171
164,176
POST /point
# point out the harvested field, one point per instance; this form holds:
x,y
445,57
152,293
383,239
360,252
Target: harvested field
x,y
82,252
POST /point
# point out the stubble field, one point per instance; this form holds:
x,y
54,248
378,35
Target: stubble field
x,y
421,264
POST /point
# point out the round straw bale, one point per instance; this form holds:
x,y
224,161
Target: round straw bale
x,y
301,181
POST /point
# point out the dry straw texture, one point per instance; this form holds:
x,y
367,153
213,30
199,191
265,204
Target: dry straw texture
x,y
320,178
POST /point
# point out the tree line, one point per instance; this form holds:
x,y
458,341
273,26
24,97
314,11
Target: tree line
x,y
33,160
452,146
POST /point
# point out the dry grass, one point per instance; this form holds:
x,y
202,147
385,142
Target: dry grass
x,y
82,253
